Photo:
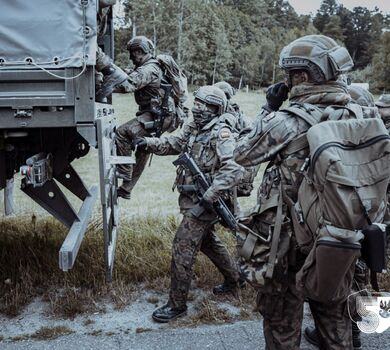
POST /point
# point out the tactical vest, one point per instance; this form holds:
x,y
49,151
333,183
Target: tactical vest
x,y
151,93
201,146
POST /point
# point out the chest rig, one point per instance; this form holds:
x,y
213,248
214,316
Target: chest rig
x,y
202,147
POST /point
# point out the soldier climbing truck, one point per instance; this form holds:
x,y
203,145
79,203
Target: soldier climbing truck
x,y
49,117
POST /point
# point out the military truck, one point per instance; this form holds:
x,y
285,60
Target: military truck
x,y
49,117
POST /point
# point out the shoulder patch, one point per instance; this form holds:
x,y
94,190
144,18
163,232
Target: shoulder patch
x,y
224,133
269,117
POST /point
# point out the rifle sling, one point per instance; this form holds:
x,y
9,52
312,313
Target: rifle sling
x,y
247,249
275,236
249,245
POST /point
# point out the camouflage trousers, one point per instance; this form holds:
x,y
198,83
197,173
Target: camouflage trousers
x,y
102,60
333,324
125,135
283,314
194,235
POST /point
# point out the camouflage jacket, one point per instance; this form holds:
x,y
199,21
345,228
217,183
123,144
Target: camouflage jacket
x,y
212,148
145,82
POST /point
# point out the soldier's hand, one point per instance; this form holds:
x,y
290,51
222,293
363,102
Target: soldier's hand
x,y
276,95
210,196
139,143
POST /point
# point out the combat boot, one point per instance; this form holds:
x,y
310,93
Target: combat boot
x,y
124,191
166,313
113,76
229,287
311,336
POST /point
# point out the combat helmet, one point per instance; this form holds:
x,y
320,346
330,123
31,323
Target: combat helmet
x,y
212,95
141,42
361,96
383,101
320,55
229,90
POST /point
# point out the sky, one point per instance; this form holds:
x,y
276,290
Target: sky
x,y
307,6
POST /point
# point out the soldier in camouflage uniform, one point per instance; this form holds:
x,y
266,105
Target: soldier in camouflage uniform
x,y
210,139
243,122
383,105
145,81
312,65
243,126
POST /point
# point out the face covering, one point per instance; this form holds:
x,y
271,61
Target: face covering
x,y
202,115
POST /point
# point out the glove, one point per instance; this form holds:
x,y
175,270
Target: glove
x,y
139,143
276,95
210,196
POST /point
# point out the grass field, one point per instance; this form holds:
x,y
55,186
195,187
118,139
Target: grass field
x,y
153,194
30,240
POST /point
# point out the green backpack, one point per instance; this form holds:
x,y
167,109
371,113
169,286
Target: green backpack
x,y
343,192
176,78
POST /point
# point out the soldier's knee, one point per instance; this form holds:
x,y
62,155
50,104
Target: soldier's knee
x,y
123,134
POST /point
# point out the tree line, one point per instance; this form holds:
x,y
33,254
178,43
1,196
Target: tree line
x,y
240,41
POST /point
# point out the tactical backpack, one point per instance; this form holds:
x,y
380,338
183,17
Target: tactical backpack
x,y
176,78
342,194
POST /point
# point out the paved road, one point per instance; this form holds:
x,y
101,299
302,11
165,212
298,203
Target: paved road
x,y
238,336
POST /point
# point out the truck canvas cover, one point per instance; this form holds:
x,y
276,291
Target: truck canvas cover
x,y
50,33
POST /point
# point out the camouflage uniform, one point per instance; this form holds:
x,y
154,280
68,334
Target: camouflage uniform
x,y
278,300
383,105
145,82
242,121
212,148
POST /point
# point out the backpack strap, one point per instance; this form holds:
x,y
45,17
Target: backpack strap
x,y
301,112
300,142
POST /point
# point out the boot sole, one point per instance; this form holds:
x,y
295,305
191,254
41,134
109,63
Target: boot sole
x,y
310,339
123,194
165,320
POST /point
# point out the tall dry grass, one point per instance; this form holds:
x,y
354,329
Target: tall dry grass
x,y
29,264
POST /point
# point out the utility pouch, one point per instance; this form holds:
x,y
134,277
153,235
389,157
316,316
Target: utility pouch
x,y
328,271
374,247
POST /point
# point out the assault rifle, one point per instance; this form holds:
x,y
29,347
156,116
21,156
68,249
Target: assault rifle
x,y
201,184
159,114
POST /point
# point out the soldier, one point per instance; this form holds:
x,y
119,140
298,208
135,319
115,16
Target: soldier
x,y
312,65
145,81
383,105
243,126
210,140
242,121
